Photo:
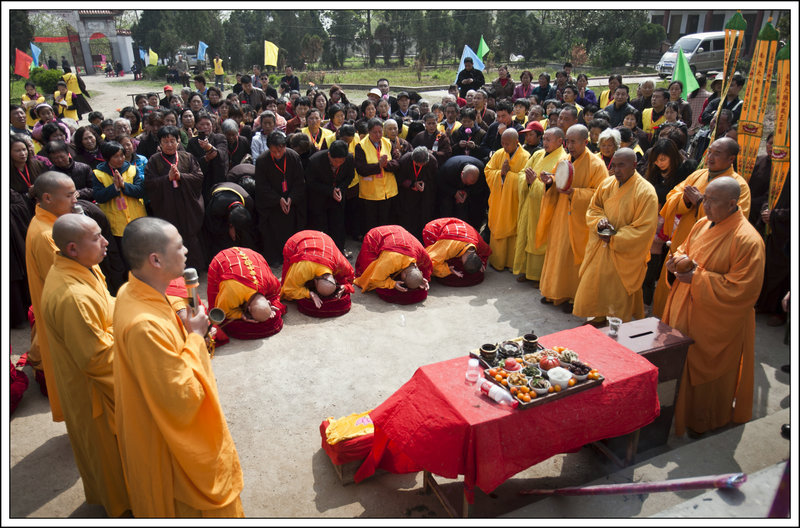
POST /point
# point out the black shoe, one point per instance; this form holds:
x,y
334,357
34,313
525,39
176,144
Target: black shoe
x,y
545,300
785,368
566,308
785,431
694,435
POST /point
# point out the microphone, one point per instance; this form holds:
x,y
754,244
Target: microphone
x,y
192,283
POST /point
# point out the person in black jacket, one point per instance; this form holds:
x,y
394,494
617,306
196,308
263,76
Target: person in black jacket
x,y
462,190
58,154
328,175
211,152
469,78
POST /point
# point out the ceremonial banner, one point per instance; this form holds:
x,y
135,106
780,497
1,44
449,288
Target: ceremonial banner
x,y
22,64
201,50
780,148
683,73
153,57
143,55
483,49
477,63
35,51
270,54
754,106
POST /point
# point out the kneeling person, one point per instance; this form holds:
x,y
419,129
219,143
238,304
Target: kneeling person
x,y
241,284
316,275
394,264
457,251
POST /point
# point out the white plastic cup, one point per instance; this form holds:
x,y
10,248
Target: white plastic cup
x,y
613,326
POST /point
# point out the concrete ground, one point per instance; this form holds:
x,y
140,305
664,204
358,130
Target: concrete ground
x,y
352,364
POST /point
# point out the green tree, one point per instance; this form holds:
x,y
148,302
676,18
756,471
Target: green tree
x,y
647,37
21,34
343,31
311,48
383,33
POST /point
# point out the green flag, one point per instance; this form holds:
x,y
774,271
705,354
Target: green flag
x,y
683,73
483,49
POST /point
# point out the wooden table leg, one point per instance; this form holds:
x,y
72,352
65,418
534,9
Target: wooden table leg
x,y
633,445
429,484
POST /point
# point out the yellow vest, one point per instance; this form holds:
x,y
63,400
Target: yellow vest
x,y
72,82
119,219
218,67
604,99
372,187
440,127
72,114
648,125
322,137
31,121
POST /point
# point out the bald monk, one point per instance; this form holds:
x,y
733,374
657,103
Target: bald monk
x,y
241,284
77,312
316,275
394,264
713,303
55,196
562,220
528,259
614,265
684,205
177,452
502,175
458,252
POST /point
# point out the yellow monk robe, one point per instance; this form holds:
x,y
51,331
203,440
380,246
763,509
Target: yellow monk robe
x,y
177,452
528,258
77,312
716,310
504,205
294,285
611,274
40,252
379,272
443,250
680,218
562,226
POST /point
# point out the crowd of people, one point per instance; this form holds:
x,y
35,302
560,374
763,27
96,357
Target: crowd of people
x,y
596,199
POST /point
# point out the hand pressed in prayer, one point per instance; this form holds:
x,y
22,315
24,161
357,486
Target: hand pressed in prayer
x,y
286,204
383,161
419,186
455,272
692,195
530,175
765,215
337,194
505,168
174,173
461,196
546,177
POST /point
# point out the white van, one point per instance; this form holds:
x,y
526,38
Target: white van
x,y
704,51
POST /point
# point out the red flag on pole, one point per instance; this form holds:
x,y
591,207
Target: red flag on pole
x,y
22,66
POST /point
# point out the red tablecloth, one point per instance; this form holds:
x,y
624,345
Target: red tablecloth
x,y
445,427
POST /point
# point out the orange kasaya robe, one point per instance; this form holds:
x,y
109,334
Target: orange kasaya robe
x,y
680,218
77,313
611,274
40,252
504,205
562,226
177,452
716,309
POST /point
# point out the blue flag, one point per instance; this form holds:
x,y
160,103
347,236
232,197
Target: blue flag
x,y
143,55
201,50
477,63
35,51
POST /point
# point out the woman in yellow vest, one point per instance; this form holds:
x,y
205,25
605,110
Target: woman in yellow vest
x,y
375,167
30,99
118,189
613,82
64,102
314,130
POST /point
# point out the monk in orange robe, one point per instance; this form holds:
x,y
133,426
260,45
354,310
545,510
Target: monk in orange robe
x,y
502,176
684,205
316,274
562,220
77,311
394,264
712,301
458,252
614,266
56,196
177,452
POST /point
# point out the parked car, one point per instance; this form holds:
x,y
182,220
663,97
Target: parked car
x,y
704,51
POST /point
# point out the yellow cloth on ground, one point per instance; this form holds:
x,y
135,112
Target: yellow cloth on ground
x,y
562,226
611,274
322,137
680,218
379,272
528,258
232,295
504,205
294,286
347,427
443,250
40,252
77,312
177,452
716,310
377,186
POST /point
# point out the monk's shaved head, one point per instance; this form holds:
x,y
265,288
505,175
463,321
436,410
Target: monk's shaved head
x,y
325,285
626,154
412,277
470,173
510,140
730,145
142,237
555,131
49,182
579,132
259,308
471,261
71,228
726,186
511,134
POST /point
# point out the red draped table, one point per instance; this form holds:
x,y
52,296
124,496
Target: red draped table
x,y
438,424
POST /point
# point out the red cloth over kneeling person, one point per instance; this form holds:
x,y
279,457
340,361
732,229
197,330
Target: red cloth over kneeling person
x,y
241,284
394,264
316,275
457,251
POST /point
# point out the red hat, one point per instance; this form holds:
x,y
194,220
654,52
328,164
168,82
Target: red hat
x,y
534,125
168,88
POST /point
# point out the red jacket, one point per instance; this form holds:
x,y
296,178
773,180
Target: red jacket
x,y
316,246
392,238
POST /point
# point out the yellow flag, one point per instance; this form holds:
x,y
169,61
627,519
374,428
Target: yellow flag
x,y
270,54
153,56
